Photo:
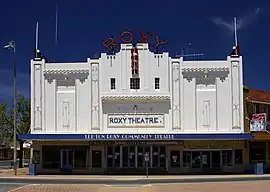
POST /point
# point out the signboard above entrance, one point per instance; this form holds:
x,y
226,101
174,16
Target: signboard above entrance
x,y
136,137
136,120
111,43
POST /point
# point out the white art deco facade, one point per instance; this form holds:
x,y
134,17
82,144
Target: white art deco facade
x,y
117,110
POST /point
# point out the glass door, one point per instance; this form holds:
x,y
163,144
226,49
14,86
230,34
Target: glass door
x,y
142,150
96,158
206,159
156,156
140,156
131,156
125,156
216,159
196,159
66,158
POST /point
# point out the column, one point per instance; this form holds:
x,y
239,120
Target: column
x,y
151,156
31,155
233,157
121,156
90,158
136,156
73,158
103,165
158,156
113,156
221,159
41,158
105,157
87,159
167,157
181,158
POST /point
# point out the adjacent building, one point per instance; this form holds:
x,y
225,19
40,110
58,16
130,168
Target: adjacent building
x,y
135,109
258,102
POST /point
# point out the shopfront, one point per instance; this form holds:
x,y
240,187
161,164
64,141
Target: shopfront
x,y
77,154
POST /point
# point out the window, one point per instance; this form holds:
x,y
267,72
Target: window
x,y
110,156
227,158
257,151
113,84
162,158
268,113
53,160
238,156
262,108
135,83
117,156
96,159
157,83
175,158
80,157
268,155
186,158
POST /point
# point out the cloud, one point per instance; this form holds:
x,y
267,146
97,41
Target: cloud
x,y
242,22
6,84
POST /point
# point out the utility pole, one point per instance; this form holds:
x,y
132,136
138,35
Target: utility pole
x,y
11,46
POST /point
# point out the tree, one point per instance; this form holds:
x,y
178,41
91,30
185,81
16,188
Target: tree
x,y
5,129
23,122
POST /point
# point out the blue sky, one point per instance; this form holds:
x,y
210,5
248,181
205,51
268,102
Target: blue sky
x,y
84,24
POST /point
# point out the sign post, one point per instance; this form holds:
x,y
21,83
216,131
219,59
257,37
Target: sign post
x,y
146,159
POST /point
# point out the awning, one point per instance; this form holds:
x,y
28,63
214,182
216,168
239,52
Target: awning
x,y
130,137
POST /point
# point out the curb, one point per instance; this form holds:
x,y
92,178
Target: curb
x,y
134,181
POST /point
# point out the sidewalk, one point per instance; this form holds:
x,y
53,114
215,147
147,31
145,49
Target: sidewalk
x,y
10,172
23,175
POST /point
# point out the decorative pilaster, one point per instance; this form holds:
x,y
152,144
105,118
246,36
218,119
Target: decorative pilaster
x,y
38,96
95,97
235,85
176,113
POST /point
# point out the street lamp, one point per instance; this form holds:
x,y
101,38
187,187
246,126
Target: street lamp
x,y
11,46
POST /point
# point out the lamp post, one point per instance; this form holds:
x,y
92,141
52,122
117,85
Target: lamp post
x,y
11,46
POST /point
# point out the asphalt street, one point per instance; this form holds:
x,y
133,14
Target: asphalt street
x,y
4,187
21,181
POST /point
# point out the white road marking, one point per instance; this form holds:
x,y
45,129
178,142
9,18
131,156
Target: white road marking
x,y
18,188
128,185
9,183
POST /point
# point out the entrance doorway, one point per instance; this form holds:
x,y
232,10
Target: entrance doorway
x,y
67,156
128,156
204,160
96,158
133,156
142,150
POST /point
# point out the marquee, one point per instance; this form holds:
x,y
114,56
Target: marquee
x,y
136,137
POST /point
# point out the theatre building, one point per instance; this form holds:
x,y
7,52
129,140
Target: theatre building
x,y
132,110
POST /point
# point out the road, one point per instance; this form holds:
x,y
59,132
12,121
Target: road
x,y
4,187
127,181
261,186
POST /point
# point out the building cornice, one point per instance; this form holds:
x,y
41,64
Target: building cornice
x,y
65,71
136,97
205,69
